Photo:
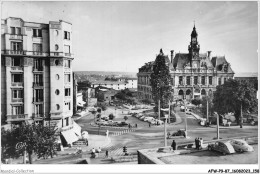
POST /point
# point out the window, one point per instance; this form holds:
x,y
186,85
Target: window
x,y
67,78
17,78
219,81
16,46
210,80
12,30
172,82
37,47
38,109
66,35
67,91
195,80
37,33
57,106
67,63
38,78
67,106
67,121
17,93
16,110
180,80
56,47
225,79
203,80
188,80
16,61
66,48
38,64
38,95
18,31
57,92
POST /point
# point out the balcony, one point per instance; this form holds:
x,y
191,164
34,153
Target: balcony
x,y
17,100
38,69
37,84
60,54
19,117
37,53
37,100
38,116
17,68
16,37
17,84
13,52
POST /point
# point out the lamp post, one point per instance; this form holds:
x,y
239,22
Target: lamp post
x,y
217,126
165,128
186,129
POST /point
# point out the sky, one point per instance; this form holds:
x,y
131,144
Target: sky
x,y
122,36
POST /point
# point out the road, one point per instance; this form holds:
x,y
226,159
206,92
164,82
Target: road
x,y
149,137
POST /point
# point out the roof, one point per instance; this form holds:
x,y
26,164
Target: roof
x,y
218,63
103,82
180,60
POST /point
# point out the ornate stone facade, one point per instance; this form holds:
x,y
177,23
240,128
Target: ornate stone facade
x,y
193,74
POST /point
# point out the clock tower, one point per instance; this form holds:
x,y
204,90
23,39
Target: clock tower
x,y
194,46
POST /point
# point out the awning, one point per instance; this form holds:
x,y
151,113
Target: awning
x,y
69,136
76,128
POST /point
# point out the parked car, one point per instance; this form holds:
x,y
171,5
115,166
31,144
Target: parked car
x,y
142,118
241,145
148,118
105,118
122,124
223,147
180,132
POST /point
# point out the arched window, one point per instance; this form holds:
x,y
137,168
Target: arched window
x,y
203,92
188,92
180,92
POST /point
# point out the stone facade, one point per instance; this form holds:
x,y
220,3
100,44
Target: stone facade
x,y
193,74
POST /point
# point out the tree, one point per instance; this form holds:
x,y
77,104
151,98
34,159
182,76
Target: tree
x,y
111,116
125,118
160,81
196,101
104,107
99,110
37,138
235,96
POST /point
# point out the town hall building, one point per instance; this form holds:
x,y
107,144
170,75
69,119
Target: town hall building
x,y
193,74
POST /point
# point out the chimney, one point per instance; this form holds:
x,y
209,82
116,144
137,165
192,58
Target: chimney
x,y
172,54
209,54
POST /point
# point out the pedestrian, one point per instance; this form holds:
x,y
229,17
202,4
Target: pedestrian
x,y
99,150
149,124
168,135
107,153
173,145
129,125
86,141
196,144
200,143
136,125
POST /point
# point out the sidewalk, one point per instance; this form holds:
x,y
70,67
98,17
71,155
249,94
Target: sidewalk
x,y
234,127
95,141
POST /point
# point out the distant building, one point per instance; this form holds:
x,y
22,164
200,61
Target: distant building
x,y
193,74
105,95
36,80
251,78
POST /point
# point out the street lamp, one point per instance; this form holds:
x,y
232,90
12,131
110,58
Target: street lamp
x,y
186,129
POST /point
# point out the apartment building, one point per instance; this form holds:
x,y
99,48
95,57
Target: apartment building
x,y
36,79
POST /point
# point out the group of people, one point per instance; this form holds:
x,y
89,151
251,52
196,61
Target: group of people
x,y
130,126
95,152
198,143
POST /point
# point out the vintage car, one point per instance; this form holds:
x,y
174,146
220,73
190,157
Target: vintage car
x,y
223,147
241,145
180,132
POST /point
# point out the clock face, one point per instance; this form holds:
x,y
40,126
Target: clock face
x,y
193,40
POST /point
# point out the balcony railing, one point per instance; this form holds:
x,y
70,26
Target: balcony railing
x,y
38,115
38,68
36,53
17,99
17,84
17,117
16,37
16,68
37,99
60,54
13,52
35,84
